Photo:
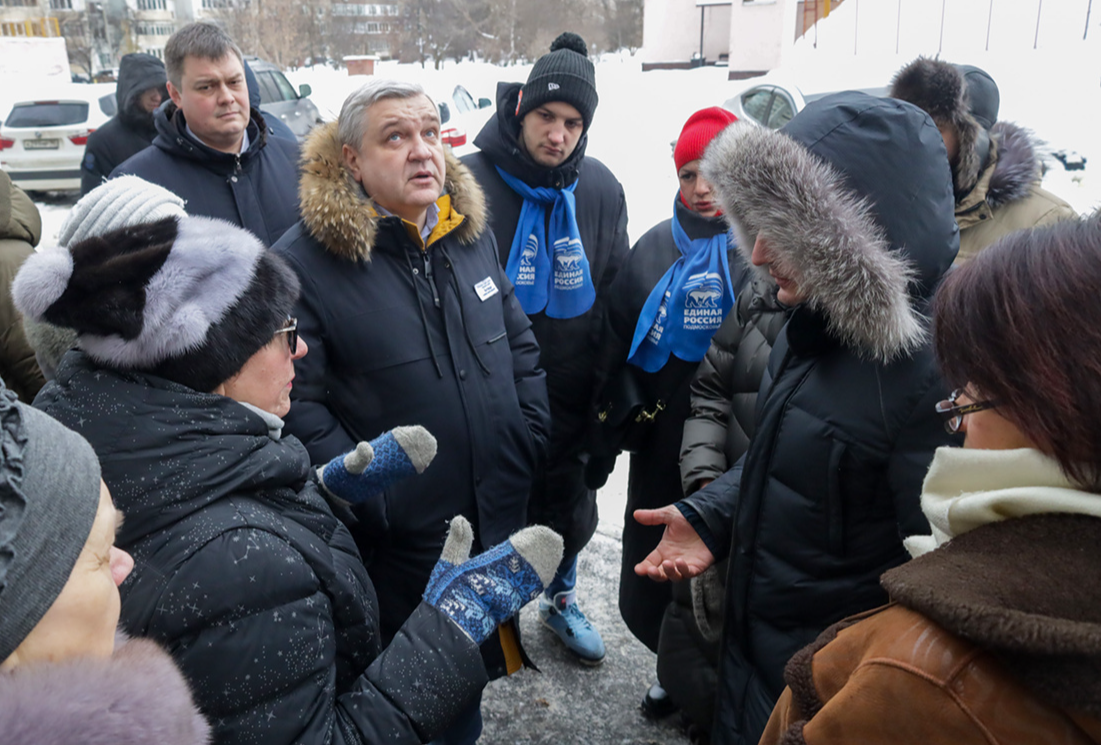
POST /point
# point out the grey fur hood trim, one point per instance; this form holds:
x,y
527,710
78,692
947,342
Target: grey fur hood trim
x,y
938,89
822,230
340,216
136,697
1018,167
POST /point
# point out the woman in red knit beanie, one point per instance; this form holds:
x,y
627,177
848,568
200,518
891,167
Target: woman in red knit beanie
x,y
666,302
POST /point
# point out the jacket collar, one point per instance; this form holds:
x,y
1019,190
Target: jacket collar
x,y
1009,175
173,138
338,213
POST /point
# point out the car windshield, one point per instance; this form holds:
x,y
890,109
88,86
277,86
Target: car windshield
x,y
48,114
283,86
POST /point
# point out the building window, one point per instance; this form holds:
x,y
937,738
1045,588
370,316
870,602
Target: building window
x,y
366,10
61,4
151,4
22,4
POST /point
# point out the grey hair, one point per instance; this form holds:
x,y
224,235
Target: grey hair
x,y
351,123
201,39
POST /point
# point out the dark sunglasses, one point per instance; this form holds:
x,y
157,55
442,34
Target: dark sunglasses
x,y
290,328
953,413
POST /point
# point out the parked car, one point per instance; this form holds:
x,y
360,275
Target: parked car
x,y
42,140
773,99
462,116
277,96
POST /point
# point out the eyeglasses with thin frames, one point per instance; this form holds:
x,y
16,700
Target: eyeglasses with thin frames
x,y
953,413
290,328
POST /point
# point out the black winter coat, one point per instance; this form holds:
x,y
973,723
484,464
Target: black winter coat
x,y
569,346
247,578
653,476
400,335
257,190
831,482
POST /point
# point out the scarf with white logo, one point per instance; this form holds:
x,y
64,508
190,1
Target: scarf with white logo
x,y
685,308
547,263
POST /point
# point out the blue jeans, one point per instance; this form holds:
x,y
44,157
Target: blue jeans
x,y
565,579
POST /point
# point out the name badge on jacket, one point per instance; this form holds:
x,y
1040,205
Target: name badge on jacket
x,y
485,288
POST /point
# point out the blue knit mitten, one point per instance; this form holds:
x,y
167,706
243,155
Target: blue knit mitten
x,y
480,593
372,467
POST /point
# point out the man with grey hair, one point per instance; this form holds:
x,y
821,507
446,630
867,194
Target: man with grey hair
x,y
212,147
409,318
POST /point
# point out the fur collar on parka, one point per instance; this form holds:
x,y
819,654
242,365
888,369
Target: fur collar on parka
x,y
1015,168
136,697
854,196
337,212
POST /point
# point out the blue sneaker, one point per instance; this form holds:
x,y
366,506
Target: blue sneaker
x,y
562,616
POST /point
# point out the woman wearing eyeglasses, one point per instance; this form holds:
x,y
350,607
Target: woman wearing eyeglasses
x,y
180,382
993,631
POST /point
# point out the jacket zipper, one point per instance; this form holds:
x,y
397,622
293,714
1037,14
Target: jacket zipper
x,y
430,277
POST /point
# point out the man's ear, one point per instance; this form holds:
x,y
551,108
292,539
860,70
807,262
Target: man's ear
x,y
174,94
351,160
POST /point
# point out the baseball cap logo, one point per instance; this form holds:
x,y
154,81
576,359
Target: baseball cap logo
x,y
553,87
519,102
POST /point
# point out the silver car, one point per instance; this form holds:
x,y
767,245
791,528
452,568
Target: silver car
x,y
278,97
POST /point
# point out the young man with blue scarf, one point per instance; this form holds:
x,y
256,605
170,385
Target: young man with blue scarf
x,y
560,221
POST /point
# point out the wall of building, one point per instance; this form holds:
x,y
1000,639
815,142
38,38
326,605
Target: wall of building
x,y
761,31
671,33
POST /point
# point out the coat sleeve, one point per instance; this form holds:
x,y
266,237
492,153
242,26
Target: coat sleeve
x,y
913,450
620,249
705,435
93,171
311,419
715,505
18,367
530,379
251,629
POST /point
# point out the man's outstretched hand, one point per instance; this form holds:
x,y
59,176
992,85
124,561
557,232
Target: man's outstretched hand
x,y
680,554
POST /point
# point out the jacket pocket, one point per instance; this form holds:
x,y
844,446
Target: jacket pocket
x,y
834,501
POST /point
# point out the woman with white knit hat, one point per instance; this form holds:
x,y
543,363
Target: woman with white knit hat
x,y
183,372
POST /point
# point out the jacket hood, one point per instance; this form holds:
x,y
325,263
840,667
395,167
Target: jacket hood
x,y
138,73
854,194
136,697
340,215
19,218
1017,166
170,123
1027,589
499,141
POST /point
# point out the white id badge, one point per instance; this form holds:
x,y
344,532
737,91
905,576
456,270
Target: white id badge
x,y
485,288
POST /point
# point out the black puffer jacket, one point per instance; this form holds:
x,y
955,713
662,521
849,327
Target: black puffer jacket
x,y
132,129
247,578
846,429
402,335
257,190
569,346
653,477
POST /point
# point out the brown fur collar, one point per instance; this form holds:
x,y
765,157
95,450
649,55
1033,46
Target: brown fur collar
x,y
1026,589
338,214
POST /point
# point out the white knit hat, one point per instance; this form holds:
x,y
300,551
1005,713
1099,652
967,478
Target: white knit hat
x,y
119,203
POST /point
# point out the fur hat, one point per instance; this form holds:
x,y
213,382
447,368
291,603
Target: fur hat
x,y
50,488
565,74
187,298
960,95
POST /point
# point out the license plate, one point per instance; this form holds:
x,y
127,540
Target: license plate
x,y
41,144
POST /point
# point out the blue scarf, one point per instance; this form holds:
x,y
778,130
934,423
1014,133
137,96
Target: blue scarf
x,y
685,308
558,277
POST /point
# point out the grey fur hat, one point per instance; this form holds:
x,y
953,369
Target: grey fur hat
x,y
189,299
961,95
50,488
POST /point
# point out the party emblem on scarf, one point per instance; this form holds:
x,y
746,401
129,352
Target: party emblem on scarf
x,y
569,255
525,275
702,301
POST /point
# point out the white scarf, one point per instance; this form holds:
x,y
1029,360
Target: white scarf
x,y
274,421
967,488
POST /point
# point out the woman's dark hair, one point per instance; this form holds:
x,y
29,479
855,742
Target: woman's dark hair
x,y
1021,323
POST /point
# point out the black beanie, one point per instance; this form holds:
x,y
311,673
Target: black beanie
x,y
565,74
189,299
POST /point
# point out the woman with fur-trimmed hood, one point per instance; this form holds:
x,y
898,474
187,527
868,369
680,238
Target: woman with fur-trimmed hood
x,y
410,319
849,209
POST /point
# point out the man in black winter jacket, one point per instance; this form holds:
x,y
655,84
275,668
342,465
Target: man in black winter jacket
x,y
140,89
817,508
560,221
213,148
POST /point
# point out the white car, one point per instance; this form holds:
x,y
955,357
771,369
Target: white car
x,y
462,117
42,139
773,99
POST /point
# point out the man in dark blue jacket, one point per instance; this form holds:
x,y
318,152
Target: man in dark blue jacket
x,y
409,319
560,220
212,147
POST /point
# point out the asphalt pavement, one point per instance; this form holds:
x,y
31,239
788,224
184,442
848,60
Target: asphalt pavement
x,y
566,702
